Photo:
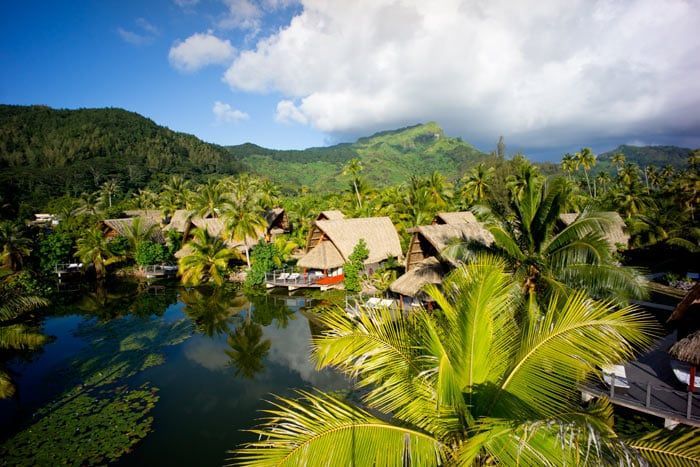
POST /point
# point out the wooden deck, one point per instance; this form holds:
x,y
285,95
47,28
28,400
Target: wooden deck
x,y
654,390
295,280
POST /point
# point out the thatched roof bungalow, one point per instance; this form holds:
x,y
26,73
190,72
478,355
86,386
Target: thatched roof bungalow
x,y
277,222
121,227
459,217
331,242
411,284
330,215
687,349
155,214
431,240
180,220
615,234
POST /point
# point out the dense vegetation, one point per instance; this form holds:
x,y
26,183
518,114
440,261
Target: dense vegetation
x,y
536,279
47,152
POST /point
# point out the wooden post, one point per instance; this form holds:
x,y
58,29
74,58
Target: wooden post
x,y
689,407
612,385
648,402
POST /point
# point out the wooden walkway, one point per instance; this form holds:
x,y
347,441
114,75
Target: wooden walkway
x,y
654,390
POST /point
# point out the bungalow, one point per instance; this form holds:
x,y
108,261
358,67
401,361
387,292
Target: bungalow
x,y
615,233
425,263
277,223
333,238
121,227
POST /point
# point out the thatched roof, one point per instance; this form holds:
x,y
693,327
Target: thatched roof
x,y
440,235
330,215
155,214
215,228
122,226
687,349
378,232
690,301
615,234
178,221
323,256
461,217
428,271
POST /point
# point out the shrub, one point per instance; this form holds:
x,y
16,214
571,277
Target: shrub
x,y
354,267
148,252
262,260
54,248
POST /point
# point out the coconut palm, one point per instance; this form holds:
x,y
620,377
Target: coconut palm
x,y
569,164
603,180
206,260
89,204
586,159
618,160
244,221
477,183
15,335
525,174
353,169
146,199
208,200
138,231
93,248
546,259
471,385
15,245
441,191
109,189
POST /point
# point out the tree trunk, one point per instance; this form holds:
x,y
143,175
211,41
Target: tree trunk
x,y
357,193
247,257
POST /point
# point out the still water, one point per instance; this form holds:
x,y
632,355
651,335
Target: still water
x,y
184,371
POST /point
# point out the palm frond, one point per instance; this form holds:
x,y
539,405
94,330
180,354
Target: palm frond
x,y
602,280
19,336
680,447
321,430
14,307
505,242
572,340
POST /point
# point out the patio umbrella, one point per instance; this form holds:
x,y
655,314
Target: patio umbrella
x,y
688,350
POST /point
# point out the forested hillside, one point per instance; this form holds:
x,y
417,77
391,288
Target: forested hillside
x,y
46,152
659,156
388,157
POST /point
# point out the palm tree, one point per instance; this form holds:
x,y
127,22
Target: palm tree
x,y
89,204
15,335
109,189
93,248
146,199
243,221
603,180
629,196
208,200
618,160
207,259
15,246
477,183
138,231
569,164
354,169
472,385
587,160
439,188
546,260
526,174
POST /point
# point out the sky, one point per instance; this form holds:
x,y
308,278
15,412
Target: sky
x,y
550,76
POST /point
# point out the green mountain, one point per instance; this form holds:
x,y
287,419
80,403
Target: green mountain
x,y
388,157
46,152
643,156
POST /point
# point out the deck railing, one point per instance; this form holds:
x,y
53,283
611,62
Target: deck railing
x,y
287,277
658,400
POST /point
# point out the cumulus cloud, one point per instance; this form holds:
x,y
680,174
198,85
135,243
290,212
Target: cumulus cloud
x,y
144,33
200,50
543,73
224,113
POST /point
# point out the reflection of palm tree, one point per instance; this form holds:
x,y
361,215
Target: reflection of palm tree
x,y
268,308
212,310
247,348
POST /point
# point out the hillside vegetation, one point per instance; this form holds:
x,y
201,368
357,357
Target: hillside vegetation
x,y
45,152
388,157
659,156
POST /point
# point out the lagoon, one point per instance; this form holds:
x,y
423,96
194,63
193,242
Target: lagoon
x,y
167,376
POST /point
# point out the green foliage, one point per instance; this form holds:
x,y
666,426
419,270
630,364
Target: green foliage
x,y
659,156
119,246
148,252
54,248
354,267
263,259
471,385
91,428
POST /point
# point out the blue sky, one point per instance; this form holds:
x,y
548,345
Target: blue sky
x,y
551,76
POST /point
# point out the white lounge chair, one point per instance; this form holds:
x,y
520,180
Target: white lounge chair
x,y
373,302
293,276
620,377
283,276
682,373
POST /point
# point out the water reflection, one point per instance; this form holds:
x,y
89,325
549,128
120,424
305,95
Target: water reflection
x,y
213,310
247,349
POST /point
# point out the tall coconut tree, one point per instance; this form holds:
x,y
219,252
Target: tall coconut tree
x,y
138,231
471,385
618,160
109,189
208,200
14,244
243,220
547,258
476,184
206,260
14,334
353,169
587,160
93,248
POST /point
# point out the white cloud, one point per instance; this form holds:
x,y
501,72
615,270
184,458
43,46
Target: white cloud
x,y
200,50
541,72
224,113
241,14
287,112
144,34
